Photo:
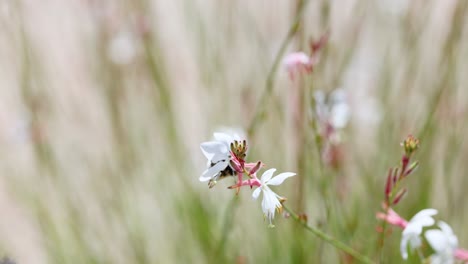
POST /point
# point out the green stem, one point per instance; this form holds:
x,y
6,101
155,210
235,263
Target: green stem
x,y
329,239
259,113
227,223
381,242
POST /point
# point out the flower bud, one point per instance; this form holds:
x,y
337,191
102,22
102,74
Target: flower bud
x,y
410,145
399,196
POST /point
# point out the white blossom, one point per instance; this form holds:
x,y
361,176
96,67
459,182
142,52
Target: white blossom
x,y
335,110
218,154
412,232
271,201
444,242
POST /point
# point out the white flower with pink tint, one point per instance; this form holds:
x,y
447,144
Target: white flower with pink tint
x,y
444,242
271,201
218,154
297,62
412,233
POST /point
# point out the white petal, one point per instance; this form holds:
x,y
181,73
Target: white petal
x,y
404,247
437,240
340,114
221,157
269,203
213,171
441,259
223,137
266,176
256,192
279,179
447,230
413,229
424,215
338,96
212,147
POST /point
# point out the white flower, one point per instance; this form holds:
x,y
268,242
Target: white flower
x,y
340,111
218,153
443,242
333,109
411,233
271,200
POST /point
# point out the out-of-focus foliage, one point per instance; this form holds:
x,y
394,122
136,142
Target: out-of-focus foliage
x,y
104,104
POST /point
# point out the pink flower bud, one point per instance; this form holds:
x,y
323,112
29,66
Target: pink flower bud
x,y
399,196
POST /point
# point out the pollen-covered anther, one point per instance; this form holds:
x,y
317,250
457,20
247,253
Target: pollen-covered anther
x,y
239,148
279,209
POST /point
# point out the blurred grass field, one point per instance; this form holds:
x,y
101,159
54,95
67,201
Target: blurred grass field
x,y
104,105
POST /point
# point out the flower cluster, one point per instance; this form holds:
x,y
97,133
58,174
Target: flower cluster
x,y
226,157
420,231
393,194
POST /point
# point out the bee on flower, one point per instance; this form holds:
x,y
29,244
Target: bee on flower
x,y
226,156
219,155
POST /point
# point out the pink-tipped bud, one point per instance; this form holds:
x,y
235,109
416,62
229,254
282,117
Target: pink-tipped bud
x,y
412,168
392,218
396,177
255,168
388,185
399,196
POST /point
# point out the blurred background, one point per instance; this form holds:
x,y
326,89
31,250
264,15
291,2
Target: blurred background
x,y
104,105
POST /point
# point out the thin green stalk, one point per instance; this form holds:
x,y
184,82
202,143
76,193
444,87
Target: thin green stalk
x,y
329,239
227,223
381,242
261,107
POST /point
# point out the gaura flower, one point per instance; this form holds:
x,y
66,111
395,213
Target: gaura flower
x,y
444,242
412,232
271,201
333,109
218,153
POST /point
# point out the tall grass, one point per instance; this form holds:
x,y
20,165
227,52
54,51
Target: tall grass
x,y
104,105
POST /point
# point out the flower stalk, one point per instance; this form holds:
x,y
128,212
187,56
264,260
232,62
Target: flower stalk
x,y
327,238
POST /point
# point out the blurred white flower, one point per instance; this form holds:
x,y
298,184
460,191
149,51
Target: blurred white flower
x,y
340,111
412,232
271,201
444,242
218,153
334,111
122,48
